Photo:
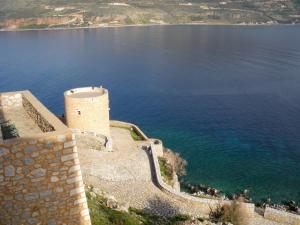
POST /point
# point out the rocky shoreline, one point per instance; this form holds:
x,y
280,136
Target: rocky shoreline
x,y
146,25
204,191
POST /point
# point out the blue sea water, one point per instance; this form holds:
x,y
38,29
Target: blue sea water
x,y
226,97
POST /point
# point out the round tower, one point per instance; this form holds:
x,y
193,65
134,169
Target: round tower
x,y
87,109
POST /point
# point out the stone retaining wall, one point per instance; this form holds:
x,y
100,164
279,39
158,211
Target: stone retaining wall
x,y
105,141
90,134
40,176
157,146
281,216
41,182
115,123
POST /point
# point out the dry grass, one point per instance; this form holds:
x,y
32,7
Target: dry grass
x,y
176,161
166,170
233,213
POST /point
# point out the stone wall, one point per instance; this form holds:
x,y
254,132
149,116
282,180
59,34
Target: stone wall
x,y
41,182
100,137
116,123
157,146
281,216
43,124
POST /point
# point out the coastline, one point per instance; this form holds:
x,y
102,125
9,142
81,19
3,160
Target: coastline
x,y
283,213
148,25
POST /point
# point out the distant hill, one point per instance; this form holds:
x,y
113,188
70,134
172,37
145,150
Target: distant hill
x,y
29,14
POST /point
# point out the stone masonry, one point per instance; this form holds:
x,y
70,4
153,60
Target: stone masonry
x,y
40,176
87,110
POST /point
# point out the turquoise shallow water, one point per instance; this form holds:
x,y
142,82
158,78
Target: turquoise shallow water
x,y
226,98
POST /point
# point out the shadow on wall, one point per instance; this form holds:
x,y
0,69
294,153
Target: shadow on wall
x,y
8,129
152,169
161,207
2,119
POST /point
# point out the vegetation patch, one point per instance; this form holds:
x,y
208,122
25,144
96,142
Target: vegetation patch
x,y
101,214
171,163
134,134
232,213
34,26
150,219
166,170
128,21
176,161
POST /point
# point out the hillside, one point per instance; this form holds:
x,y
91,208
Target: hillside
x,y
25,14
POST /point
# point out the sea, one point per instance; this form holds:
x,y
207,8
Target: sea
x,y
227,98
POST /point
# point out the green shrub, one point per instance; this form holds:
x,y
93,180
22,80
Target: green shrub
x,y
166,169
102,215
34,26
135,135
128,20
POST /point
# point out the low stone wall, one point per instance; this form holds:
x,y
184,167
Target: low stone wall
x,y
115,123
105,141
157,146
41,182
281,216
89,133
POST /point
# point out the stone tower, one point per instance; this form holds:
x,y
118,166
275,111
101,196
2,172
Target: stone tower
x,y
87,109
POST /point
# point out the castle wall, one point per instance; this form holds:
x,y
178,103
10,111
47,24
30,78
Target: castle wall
x,y
41,182
281,216
40,176
88,113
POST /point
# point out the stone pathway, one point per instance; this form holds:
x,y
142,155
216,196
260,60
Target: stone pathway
x,y
126,162
126,174
20,118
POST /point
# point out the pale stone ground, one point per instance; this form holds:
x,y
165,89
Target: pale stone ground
x,y
18,116
126,174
